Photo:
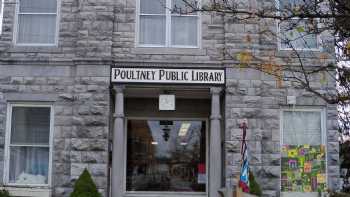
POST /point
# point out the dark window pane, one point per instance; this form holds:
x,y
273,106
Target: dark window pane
x,y
166,156
30,125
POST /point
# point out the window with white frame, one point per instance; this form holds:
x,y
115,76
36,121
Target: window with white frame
x,y
37,22
167,23
297,33
303,154
28,144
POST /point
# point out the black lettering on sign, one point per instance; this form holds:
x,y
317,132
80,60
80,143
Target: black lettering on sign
x,y
116,73
184,76
153,75
149,75
161,74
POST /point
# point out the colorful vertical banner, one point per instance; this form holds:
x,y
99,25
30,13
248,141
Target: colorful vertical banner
x,y
303,168
244,174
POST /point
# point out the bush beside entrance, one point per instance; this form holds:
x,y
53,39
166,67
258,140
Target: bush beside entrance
x,y
85,186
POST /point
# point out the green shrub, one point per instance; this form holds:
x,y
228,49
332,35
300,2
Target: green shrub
x,y
85,186
338,194
4,193
254,187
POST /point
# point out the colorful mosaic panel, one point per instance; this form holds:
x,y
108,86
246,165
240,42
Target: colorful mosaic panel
x,y
303,168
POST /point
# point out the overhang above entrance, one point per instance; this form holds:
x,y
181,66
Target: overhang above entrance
x,y
181,92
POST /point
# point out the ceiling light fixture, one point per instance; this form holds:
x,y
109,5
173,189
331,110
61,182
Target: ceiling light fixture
x,y
184,129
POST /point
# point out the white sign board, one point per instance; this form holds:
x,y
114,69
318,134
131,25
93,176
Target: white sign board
x,y
165,75
166,102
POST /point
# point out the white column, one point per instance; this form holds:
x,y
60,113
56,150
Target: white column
x,y
215,160
118,144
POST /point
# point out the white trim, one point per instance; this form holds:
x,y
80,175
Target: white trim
x,y
31,145
16,25
168,23
168,17
137,23
37,13
28,192
1,15
323,113
279,35
8,143
165,194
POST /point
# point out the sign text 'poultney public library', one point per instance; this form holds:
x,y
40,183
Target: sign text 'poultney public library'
x,y
160,75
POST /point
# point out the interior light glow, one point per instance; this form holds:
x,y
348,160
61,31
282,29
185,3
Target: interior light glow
x,y
154,143
184,129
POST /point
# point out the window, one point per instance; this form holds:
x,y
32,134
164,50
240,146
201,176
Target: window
x,y
37,22
160,26
28,144
297,33
303,152
166,156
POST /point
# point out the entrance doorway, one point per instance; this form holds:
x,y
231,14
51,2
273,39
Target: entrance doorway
x,y
152,153
166,155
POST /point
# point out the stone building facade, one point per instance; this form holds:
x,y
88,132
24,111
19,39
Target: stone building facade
x,y
72,77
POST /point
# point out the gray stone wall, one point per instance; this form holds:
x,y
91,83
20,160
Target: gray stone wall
x,y
256,97
80,96
75,76
105,30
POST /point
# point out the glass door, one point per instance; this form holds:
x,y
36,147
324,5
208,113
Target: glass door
x,y
166,155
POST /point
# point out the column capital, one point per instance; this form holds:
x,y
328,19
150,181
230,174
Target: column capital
x,y
215,117
118,115
118,88
215,90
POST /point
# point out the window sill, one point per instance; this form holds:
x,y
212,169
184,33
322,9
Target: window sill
x,y
299,194
170,51
28,191
35,48
301,49
303,53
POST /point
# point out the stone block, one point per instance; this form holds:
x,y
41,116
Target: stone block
x,y
271,159
94,157
98,169
78,168
61,156
76,156
333,159
98,145
333,147
269,172
80,144
233,146
269,183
